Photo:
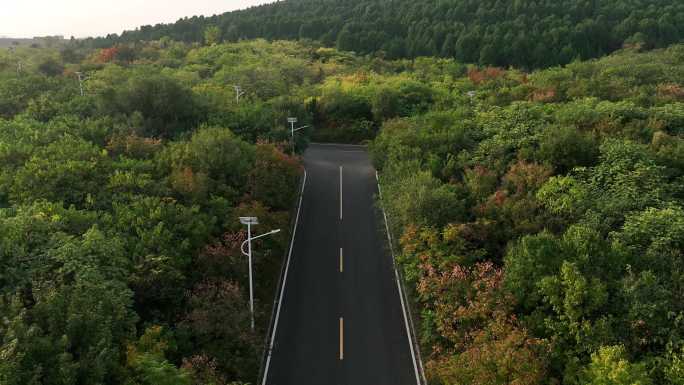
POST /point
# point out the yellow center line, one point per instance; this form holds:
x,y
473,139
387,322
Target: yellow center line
x,y
341,338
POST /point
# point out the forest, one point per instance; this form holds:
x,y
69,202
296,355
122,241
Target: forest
x,y
539,213
540,220
119,231
522,33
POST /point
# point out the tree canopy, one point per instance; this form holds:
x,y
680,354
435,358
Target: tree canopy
x,y
540,218
520,33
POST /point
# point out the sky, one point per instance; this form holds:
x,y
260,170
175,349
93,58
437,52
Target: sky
x,y
83,18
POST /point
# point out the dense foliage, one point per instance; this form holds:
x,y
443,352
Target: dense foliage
x,y
119,232
541,218
541,214
521,33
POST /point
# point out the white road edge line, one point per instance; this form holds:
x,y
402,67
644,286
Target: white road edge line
x,y
340,192
341,338
401,296
282,291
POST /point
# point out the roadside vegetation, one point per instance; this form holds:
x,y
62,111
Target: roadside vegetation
x,y
119,231
541,220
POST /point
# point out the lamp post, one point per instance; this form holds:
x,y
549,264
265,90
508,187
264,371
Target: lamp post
x,y
292,121
12,51
81,79
238,93
249,221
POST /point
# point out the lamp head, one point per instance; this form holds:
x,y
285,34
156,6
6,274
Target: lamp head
x,y
249,220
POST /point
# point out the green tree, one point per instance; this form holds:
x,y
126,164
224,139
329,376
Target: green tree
x,y
167,107
51,67
147,361
212,35
610,367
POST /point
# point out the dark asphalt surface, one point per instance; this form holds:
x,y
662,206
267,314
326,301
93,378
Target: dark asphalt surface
x,y
307,342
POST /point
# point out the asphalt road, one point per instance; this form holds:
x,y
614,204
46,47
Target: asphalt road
x,y
341,320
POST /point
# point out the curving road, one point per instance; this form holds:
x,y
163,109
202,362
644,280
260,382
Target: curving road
x,y
341,320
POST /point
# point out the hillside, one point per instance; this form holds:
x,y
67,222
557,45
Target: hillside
x,y
521,33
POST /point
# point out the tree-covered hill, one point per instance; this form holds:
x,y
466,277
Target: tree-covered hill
x,y
520,33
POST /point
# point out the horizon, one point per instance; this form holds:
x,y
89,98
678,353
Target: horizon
x,y
82,18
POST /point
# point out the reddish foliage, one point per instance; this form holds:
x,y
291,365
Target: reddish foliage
x,y
473,314
218,311
465,299
514,206
490,73
273,180
544,95
502,353
476,76
525,177
230,244
204,370
499,198
218,321
494,72
217,259
108,55
671,91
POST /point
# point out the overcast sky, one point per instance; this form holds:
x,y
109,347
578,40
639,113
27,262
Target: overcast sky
x,y
83,18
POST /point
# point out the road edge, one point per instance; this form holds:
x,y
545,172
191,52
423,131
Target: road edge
x,y
279,297
405,306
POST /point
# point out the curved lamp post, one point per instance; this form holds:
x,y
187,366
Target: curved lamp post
x,y
292,121
249,221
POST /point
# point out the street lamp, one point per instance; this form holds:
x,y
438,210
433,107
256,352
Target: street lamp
x,y
238,92
12,51
81,78
292,121
249,221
